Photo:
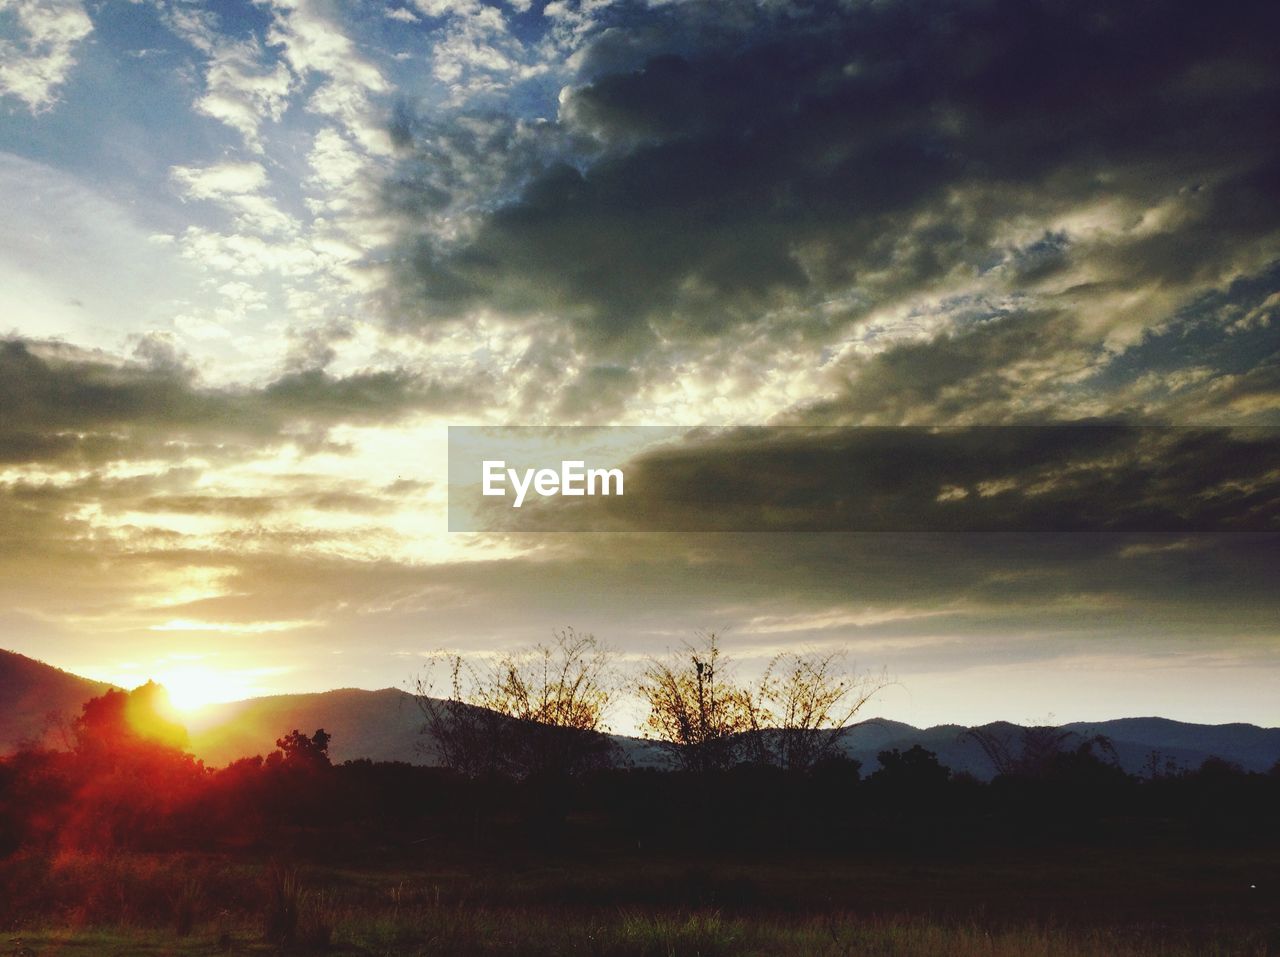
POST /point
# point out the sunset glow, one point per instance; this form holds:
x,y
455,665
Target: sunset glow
x,y
193,688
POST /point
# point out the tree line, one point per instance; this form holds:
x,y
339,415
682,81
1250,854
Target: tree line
x,y
546,710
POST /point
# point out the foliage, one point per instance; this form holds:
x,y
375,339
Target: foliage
x,y
119,721
793,717
696,708
913,770
639,866
296,750
1036,752
810,700
538,712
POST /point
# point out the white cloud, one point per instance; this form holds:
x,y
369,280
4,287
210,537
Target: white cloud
x,y
338,170
219,181
312,43
242,91
243,88
37,62
241,256
238,187
402,14
474,52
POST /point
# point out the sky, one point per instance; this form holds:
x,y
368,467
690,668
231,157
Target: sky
x,y
257,257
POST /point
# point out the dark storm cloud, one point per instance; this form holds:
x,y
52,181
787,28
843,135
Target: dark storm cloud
x,y
58,404
1110,591
1232,334
1094,478
968,372
1086,478
874,151
1214,361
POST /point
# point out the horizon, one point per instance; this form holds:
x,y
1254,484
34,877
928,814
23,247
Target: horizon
x,y
204,716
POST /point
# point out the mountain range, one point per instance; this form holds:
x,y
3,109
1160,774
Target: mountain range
x,y
38,700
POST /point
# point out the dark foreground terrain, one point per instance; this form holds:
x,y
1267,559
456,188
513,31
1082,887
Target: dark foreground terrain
x,y
126,844
1048,901
291,855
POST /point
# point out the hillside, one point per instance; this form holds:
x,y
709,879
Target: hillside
x,y
37,699
380,725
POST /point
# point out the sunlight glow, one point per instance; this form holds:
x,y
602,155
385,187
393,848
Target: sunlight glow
x,y
192,688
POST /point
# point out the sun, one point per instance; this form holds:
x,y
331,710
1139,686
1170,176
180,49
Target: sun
x,y
192,688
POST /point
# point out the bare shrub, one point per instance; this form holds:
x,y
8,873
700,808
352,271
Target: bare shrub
x,y
794,716
809,701
537,711
696,708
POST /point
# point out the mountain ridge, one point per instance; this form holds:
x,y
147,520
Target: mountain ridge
x,y
37,700
386,725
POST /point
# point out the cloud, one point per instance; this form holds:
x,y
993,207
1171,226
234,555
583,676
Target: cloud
x,y
712,211
222,180
311,253
473,51
1001,364
836,173
66,405
313,43
244,87
42,53
242,90
1033,479
239,187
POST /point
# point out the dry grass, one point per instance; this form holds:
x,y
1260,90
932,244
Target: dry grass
x,y
120,905
472,933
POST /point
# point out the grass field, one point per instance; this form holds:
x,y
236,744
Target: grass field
x,y
1065,903
703,933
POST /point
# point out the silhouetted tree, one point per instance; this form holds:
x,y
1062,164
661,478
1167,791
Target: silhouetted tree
x,y
118,721
131,771
913,769
297,750
1033,752
696,709
533,712
808,701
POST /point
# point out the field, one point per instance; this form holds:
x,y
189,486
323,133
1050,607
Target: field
x,y
1063,902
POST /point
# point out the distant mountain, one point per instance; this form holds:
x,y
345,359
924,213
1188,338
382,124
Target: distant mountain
x,y
864,742
384,725
387,725
37,699
1253,748
381,725
1139,743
